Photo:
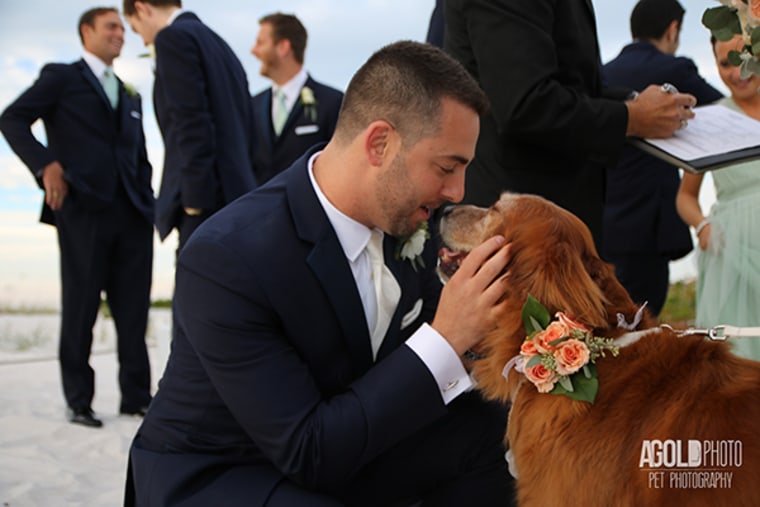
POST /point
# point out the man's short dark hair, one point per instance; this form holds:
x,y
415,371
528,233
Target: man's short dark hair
x,y
651,18
404,83
129,5
288,27
88,18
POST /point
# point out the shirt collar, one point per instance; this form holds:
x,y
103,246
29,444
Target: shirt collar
x,y
352,236
174,16
293,87
97,66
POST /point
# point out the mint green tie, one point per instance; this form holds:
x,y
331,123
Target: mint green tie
x,y
111,87
280,113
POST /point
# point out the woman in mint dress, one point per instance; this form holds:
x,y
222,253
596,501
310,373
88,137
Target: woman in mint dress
x,y
728,259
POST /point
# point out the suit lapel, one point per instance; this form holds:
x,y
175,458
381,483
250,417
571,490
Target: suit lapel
x,y
294,113
329,265
390,342
264,118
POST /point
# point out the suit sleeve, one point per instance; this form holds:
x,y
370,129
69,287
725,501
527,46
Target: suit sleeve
x,y
691,82
144,167
192,131
317,441
514,44
38,101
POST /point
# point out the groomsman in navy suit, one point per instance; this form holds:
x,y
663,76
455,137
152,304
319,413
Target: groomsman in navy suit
x,y
642,230
203,108
296,112
97,182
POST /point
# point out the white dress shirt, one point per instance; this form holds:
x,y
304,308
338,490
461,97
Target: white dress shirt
x,y
97,66
434,351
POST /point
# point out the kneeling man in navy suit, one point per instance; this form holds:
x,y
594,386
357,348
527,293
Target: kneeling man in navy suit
x,y
315,360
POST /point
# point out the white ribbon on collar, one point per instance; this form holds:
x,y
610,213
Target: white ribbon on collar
x,y
621,322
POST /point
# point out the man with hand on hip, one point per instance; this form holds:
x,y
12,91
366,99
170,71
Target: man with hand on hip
x,y
97,182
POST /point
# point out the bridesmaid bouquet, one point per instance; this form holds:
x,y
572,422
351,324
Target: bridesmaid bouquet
x,y
738,17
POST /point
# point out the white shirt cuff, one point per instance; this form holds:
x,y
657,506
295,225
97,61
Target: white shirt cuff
x,y
442,361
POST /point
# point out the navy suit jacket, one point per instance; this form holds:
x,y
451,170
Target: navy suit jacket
x,y
271,365
203,108
301,131
640,214
550,130
95,144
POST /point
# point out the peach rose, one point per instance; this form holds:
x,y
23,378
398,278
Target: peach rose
x,y
570,323
570,356
528,348
555,331
753,12
543,378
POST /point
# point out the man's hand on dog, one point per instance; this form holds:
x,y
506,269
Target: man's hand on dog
x,y
469,302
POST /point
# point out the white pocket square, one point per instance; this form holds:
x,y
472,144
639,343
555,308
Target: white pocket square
x,y
410,317
135,114
302,130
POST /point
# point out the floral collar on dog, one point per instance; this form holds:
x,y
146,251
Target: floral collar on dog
x,y
558,356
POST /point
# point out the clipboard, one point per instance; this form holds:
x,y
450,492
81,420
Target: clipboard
x,y
717,137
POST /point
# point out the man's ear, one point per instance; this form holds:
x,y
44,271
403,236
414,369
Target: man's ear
x,y
283,47
673,30
376,141
142,9
86,33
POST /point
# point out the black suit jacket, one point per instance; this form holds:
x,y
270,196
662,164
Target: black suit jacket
x,y
303,129
549,131
203,108
96,145
640,214
271,365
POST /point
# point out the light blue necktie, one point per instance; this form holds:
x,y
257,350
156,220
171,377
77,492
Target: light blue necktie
x,y
111,87
280,112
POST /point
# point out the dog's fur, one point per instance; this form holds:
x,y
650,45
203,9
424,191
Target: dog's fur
x,y
663,387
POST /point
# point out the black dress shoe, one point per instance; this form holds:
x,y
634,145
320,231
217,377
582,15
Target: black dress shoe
x,y
83,416
137,412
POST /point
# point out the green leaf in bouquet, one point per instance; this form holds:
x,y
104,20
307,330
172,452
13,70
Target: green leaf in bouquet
x,y
535,316
584,389
735,58
749,67
722,22
755,38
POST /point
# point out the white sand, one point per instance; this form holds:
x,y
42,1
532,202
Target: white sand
x,y
45,460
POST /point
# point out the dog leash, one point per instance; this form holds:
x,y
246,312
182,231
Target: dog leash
x,y
718,333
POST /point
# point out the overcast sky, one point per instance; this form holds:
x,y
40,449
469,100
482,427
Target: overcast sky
x,y
342,35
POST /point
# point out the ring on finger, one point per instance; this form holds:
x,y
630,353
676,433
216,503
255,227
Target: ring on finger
x,y
684,123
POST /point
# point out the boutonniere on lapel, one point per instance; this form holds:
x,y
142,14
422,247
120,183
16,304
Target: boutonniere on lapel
x,y
309,102
131,90
412,246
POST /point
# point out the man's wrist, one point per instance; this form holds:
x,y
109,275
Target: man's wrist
x,y
193,212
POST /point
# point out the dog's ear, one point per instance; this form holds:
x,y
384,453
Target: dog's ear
x,y
618,301
557,277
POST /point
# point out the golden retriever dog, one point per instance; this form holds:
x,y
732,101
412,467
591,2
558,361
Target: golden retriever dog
x,y
676,419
